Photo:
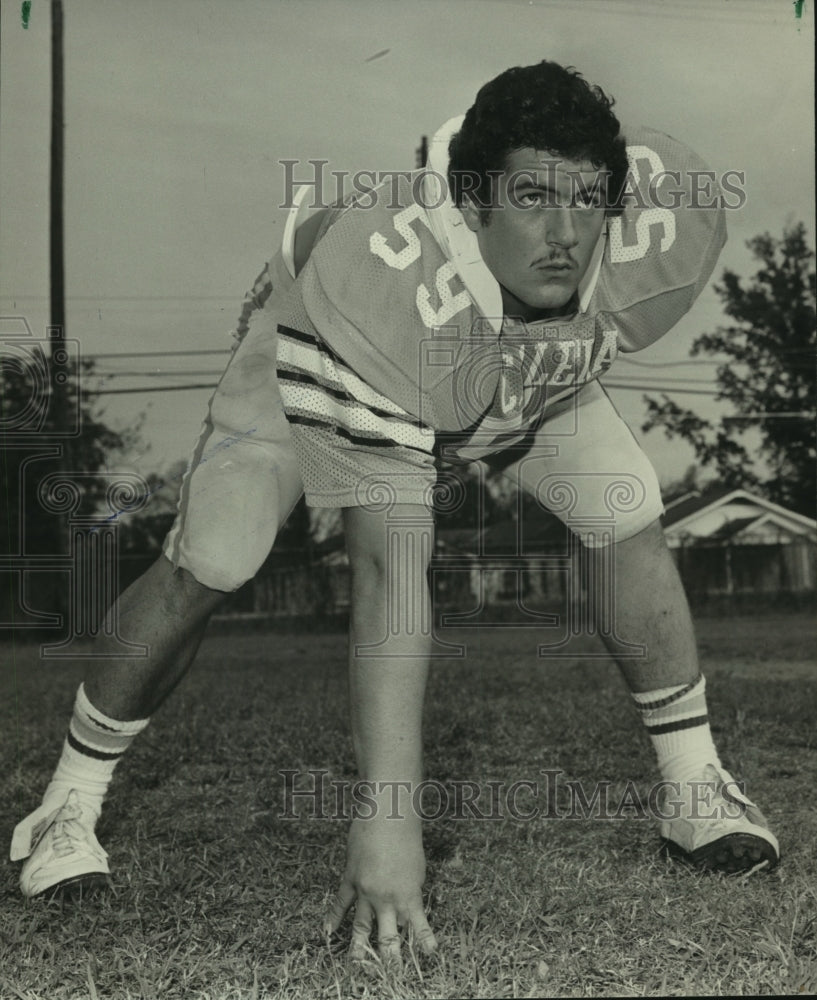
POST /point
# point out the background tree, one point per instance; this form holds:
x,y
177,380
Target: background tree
x,y
93,449
29,436
688,483
768,377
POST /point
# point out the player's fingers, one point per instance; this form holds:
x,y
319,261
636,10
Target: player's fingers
x,y
361,930
388,937
422,936
341,902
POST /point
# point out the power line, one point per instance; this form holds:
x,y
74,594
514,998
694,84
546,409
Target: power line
x,y
644,387
174,373
127,298
691,392
624,359
212,385
165,374
620,359
151,388
691,380
785,414
156,354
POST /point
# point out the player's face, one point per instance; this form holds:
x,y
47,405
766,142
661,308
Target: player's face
x,y
546,219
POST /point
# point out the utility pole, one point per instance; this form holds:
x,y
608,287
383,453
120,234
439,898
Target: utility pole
x,y
57,417
56,332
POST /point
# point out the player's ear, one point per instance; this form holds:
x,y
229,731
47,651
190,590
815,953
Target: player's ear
x,y
471,214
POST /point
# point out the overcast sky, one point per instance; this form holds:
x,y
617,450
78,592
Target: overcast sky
x,y
178,112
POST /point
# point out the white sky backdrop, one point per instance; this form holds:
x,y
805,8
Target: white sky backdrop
x,y
177,113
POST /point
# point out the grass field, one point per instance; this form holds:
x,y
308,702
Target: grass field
x,y
216,896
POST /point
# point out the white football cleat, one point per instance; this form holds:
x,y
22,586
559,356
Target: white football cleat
x,y
712,825
62,852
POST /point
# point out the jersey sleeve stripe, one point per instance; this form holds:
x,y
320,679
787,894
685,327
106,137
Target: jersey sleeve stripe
x,y
311,400
356,439
298,351
309,379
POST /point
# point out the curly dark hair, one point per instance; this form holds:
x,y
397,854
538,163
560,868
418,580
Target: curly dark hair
x,y
546,107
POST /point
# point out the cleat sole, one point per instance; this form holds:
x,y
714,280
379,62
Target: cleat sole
x,y
76,888
731,854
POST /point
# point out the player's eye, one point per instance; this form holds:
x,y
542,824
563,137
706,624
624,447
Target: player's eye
x,y
591,200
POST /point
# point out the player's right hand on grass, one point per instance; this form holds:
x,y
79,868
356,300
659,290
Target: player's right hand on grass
x,y
385,870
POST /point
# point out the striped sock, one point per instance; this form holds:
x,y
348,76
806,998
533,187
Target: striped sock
x,y
90,753
678,724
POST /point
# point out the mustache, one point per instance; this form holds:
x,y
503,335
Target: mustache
x,y
555,259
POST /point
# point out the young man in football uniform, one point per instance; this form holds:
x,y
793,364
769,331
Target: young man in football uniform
x,y
463,312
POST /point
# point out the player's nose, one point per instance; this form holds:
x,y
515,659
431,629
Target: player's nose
x,y
561,228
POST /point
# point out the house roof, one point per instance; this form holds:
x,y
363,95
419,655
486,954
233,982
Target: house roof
x,y
732,528
547,534
692,503
681,516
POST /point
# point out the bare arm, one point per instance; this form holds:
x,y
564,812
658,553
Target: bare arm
x,y
388,666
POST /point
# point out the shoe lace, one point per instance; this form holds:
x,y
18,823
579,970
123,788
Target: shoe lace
x,y
718,809
68,837
726,808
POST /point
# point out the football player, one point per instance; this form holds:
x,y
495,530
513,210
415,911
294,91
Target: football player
x,y
462,312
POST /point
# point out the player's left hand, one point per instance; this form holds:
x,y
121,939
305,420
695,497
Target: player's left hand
x,y
385,868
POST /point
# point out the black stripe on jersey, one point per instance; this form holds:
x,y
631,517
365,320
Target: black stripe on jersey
x,y
312,341
90,751
319,345
292,376
671,727
307,378
296,418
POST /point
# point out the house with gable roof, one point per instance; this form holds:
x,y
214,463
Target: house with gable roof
x,y
729,544
731,541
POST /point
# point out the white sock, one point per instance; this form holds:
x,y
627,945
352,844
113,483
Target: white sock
x,y
677,721
91,751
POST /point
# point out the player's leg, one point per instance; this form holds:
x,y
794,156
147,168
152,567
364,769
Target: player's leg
x,y
651,635
705,817
171,608
168,612
602,486
243,481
